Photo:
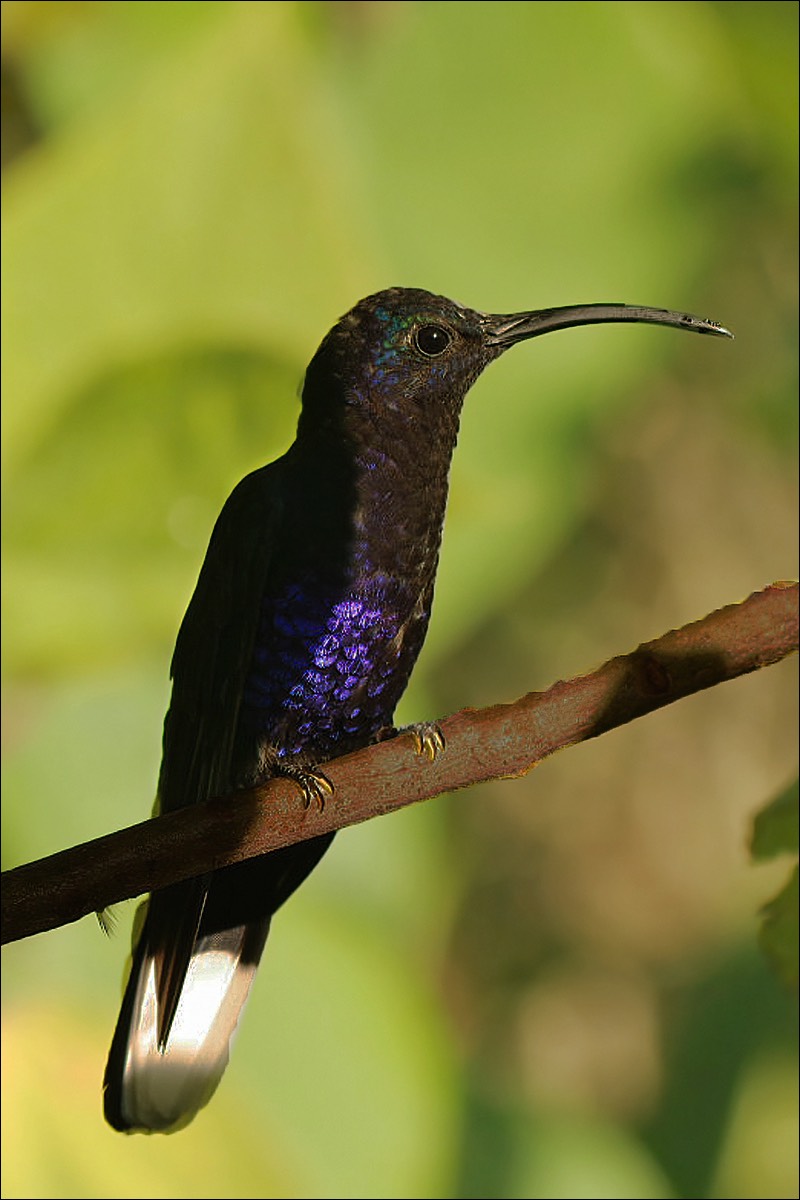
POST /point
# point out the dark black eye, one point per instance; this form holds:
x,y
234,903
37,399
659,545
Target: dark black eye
x,y
432,340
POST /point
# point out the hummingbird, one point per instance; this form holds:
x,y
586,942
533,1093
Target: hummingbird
x,y
310,610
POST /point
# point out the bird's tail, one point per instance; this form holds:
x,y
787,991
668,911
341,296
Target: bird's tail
x,y
197,945
188,984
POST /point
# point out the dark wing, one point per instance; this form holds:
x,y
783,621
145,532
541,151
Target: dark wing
x,y
215,644
212,657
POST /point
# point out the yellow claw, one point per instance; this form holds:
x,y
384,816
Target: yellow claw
x,y
313,785
429,739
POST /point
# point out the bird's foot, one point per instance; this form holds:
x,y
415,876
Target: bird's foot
x,y
314,786
428,738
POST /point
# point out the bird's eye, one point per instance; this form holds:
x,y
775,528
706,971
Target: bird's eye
x,y
432,340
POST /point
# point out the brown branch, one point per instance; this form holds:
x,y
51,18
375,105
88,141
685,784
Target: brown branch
x,y
501,741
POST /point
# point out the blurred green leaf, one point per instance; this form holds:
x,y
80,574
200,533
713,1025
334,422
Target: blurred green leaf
x,y
776,827
775,831
215,205
139,465
779,931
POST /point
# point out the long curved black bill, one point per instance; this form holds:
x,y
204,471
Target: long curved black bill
x,y
506,329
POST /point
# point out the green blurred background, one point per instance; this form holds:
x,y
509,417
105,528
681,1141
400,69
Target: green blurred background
x,y
544,987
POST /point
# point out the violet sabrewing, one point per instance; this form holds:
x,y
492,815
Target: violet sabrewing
x,y
310,610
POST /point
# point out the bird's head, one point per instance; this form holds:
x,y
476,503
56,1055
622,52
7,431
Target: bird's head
x,y
400,351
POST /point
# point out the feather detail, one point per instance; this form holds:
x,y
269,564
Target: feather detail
x,y
156,1084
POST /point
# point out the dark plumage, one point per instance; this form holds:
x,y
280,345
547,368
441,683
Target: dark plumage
x,y
310,610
